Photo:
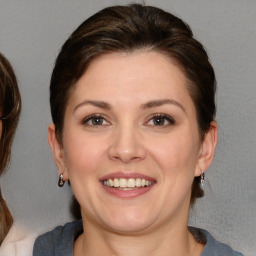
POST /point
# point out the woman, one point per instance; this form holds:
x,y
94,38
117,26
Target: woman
x,y
13,239
10,105
132,102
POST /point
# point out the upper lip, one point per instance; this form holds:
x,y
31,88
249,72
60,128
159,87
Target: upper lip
x,y
131,175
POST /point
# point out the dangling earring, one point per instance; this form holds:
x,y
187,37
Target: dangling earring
x,y
61,182
202,178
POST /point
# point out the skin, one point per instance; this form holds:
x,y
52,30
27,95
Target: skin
x,y
128,140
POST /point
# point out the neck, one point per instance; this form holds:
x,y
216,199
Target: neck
x,y
166,241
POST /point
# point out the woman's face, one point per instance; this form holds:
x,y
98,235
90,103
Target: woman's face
x,y
131,145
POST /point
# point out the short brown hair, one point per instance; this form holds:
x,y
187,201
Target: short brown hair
x,y
10,104
126,29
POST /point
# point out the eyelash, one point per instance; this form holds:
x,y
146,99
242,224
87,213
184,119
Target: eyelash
x,y
92,118
156,117
161,117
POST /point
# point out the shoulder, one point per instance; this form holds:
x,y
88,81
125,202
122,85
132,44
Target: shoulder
x,y
59,241
213,247
18,242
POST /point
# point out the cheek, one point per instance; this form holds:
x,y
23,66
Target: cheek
x,y
175,153
82,155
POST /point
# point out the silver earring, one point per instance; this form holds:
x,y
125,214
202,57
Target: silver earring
x,y
61,181
202,178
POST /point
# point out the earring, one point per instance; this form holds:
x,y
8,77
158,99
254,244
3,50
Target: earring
x,y
61,181
202,178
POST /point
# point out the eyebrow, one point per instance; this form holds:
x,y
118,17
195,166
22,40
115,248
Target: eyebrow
x,y
158,103
99,104
150,104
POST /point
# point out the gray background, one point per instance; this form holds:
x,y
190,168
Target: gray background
x,y
31,34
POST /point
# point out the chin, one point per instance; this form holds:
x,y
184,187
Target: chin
x,y
128,228
129,223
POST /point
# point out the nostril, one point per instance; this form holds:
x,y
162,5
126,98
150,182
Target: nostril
x,y
126,144
127,155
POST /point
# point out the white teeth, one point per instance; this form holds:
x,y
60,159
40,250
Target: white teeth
x,y
138,182
127,183
122,183
110,183
116,183
131,183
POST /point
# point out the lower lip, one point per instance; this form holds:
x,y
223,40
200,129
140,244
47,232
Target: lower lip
x,y
127,194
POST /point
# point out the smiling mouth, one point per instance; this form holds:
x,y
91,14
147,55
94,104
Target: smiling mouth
x,y
127,184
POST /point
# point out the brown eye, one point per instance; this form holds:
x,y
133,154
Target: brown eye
x,y
95,120
161,120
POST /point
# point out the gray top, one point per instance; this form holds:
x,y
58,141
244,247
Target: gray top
x,y
60,241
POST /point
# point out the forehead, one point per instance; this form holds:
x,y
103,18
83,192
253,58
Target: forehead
x,y
131,79
138,70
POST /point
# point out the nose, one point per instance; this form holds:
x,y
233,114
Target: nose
x,y
126,145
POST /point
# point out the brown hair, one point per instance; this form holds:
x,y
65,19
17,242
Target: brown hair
x,y
126,29
10,104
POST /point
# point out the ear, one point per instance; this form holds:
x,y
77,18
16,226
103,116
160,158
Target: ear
x,y
207,149
58,151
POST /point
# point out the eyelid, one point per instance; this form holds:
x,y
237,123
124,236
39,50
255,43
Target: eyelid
x,y
169,118
85,120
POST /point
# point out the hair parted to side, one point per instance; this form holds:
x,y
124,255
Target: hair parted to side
x,y
128,29
10,105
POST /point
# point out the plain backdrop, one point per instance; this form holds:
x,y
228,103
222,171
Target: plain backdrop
x,y
31,34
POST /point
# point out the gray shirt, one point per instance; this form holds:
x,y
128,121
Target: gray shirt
x,y
60,241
